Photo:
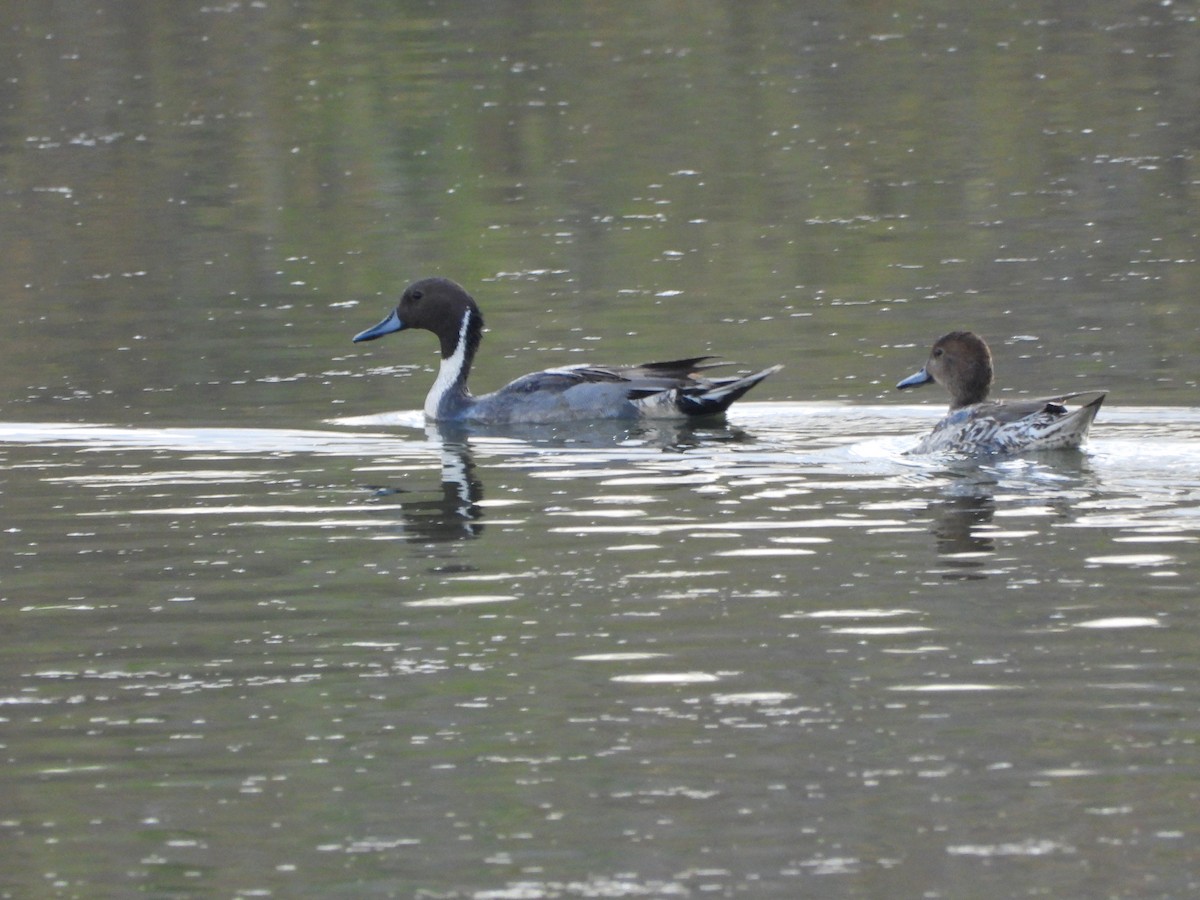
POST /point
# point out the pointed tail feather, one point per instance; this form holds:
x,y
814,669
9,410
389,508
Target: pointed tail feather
x,y
680,368
719,394
1069,429
1062,424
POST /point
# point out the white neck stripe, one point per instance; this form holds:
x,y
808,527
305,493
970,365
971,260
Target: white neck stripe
x,y
450,372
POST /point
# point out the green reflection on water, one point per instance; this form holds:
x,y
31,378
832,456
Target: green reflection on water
x,y
193,191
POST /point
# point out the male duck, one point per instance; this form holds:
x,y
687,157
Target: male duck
x,y
961,363
672,389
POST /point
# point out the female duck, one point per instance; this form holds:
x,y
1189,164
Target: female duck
x,y
672,389
961,363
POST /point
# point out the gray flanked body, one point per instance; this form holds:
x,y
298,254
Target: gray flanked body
x,y
674,389
962,363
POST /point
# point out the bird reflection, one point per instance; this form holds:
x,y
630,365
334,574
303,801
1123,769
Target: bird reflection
x,y
962,518
956,523
669,435
453,512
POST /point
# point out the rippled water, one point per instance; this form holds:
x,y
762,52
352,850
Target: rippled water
x,y
251,650
777,658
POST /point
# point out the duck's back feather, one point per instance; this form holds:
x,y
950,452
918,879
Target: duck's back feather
x,y
1015,426
667,389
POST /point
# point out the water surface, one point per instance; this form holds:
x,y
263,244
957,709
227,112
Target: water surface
x,y
265,637
644,661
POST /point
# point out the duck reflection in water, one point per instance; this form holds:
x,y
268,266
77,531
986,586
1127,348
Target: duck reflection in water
x,y
962,518
613,435
957,520
452,513
456,512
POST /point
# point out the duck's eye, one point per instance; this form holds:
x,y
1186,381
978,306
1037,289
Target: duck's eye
x,y
937,351
416,295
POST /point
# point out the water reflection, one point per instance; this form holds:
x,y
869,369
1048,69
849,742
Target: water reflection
x,y
667,435
956,522
450,513
963,523
455,510
671,613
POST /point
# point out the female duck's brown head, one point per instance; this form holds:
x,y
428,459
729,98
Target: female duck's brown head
x,y
961,363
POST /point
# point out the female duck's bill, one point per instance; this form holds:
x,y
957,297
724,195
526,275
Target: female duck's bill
x,y
962,363
672,389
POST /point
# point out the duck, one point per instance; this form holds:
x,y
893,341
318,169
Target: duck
x,y
674,389
961,362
